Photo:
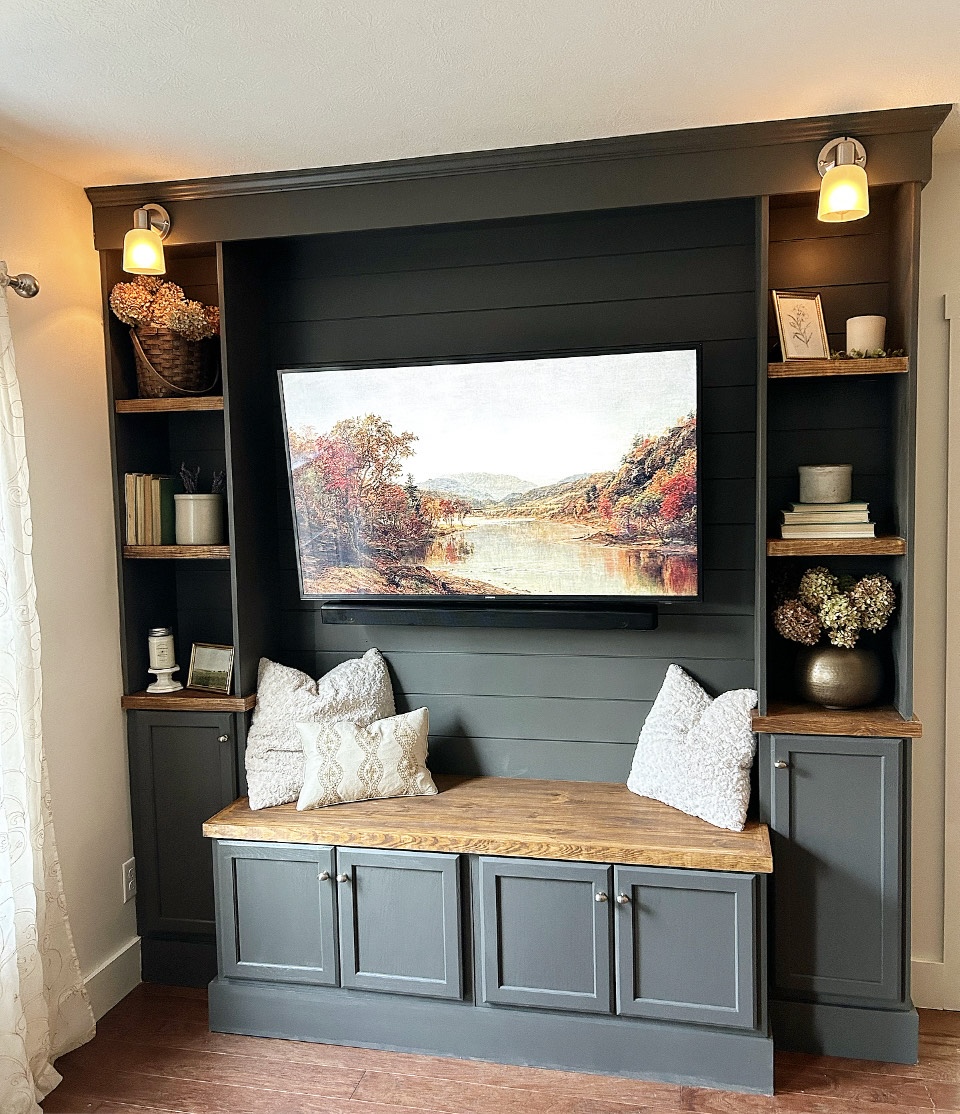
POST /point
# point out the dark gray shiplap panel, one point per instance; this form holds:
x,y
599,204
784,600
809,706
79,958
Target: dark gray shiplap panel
x,y
605,678
854,260
536,758
725,636
509,286
531,328
667,227
528,702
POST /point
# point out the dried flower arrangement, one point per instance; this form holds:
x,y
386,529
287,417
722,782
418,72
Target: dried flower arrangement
x,y
841,607
190,478
150,301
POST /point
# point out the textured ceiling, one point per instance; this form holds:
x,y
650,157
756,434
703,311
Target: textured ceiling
x,y
108,91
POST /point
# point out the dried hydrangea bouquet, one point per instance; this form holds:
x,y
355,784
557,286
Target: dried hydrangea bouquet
x,y
841,674
168,331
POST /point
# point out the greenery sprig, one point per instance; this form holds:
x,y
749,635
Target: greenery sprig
x,y
190,478
871,354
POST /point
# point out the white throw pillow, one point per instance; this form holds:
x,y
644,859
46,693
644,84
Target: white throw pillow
x,y
695,753
347,762
358,690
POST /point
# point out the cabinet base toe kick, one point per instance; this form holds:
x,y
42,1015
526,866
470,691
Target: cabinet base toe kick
x,y
635,1048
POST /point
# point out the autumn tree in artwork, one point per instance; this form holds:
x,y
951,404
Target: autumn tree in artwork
x,y
350,505
653,495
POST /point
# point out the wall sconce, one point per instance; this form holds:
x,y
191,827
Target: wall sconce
x,y
843,192
143,244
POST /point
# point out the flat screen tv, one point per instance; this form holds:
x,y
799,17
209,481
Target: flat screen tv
x,y
563,477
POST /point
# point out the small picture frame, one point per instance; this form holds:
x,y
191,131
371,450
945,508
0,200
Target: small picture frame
x,y
803,335
211,667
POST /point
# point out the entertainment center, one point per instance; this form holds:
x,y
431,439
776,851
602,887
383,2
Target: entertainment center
x,y
662,240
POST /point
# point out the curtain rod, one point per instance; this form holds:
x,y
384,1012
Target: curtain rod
x,y
24,285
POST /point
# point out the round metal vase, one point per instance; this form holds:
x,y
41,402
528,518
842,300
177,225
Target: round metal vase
x,y
838,678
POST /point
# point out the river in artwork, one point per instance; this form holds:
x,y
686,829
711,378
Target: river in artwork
x,y
544,557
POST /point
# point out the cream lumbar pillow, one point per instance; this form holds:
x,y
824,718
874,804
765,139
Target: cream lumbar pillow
x,y
347,762
695,752
358,691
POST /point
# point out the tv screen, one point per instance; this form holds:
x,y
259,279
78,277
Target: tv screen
x,y
548,478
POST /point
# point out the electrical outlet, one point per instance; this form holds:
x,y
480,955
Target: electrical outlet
x,y
129,879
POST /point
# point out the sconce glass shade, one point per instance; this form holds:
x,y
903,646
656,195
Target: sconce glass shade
x,y
143,248
844,194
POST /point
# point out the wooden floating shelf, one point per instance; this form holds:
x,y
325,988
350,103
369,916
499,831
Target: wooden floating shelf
x,y
807,719
888,546
803,369
178,552
188,700
167,405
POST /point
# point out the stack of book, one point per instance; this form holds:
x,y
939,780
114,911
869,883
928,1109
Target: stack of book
x,y
149,509
827,520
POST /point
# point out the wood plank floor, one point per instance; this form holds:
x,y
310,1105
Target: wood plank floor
x,y
153,1052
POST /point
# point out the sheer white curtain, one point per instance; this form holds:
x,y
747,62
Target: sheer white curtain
x,y
44,1010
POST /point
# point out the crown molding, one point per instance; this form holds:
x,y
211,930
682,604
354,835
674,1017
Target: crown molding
x,y
731,137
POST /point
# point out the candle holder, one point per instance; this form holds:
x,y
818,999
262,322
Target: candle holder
x,y
164,681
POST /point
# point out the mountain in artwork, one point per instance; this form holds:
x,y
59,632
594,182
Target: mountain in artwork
x,y
482,487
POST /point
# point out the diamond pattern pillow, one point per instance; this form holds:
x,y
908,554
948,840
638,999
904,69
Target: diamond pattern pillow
x,y
358,690
695,752
347,762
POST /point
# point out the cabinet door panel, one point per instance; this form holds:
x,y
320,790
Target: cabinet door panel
x,y
686,945
400,922
544,938
277,912
182,774
836,823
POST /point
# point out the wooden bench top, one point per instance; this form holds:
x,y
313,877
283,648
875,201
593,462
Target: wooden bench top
x,y
580,820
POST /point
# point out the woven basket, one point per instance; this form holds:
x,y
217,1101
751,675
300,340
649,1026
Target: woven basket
x,y
169,365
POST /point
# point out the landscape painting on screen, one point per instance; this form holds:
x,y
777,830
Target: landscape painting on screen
x,y
566,476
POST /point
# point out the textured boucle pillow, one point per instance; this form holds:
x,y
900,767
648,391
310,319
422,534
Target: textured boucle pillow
x,y
695,753
346,762
358,691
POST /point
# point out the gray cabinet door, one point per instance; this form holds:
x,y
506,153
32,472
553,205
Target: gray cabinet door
x,y
686,945
544,937
838,878
276,905
400,922
183,770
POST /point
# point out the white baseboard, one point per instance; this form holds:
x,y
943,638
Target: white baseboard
x,y
114,979
934,985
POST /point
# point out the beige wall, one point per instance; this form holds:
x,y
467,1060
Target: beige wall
x,y
45,228
936,921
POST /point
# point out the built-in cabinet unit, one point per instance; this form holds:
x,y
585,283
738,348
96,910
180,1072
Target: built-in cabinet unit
x,y
644,240
599,966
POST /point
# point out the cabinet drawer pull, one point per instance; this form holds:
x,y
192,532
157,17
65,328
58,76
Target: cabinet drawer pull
x,y
224,739
623,899
780,764
324,875
601,896
343,877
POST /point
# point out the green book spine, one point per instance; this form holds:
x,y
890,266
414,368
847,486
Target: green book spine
x,y
168,529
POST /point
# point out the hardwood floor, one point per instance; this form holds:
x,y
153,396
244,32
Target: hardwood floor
x,y
153,1053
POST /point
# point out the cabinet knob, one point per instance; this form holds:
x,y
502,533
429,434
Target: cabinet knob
x,y
780,764
623,899
343,877
601,896
223,739
324,876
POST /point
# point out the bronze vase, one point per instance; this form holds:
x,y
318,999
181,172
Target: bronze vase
x,y
838,678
